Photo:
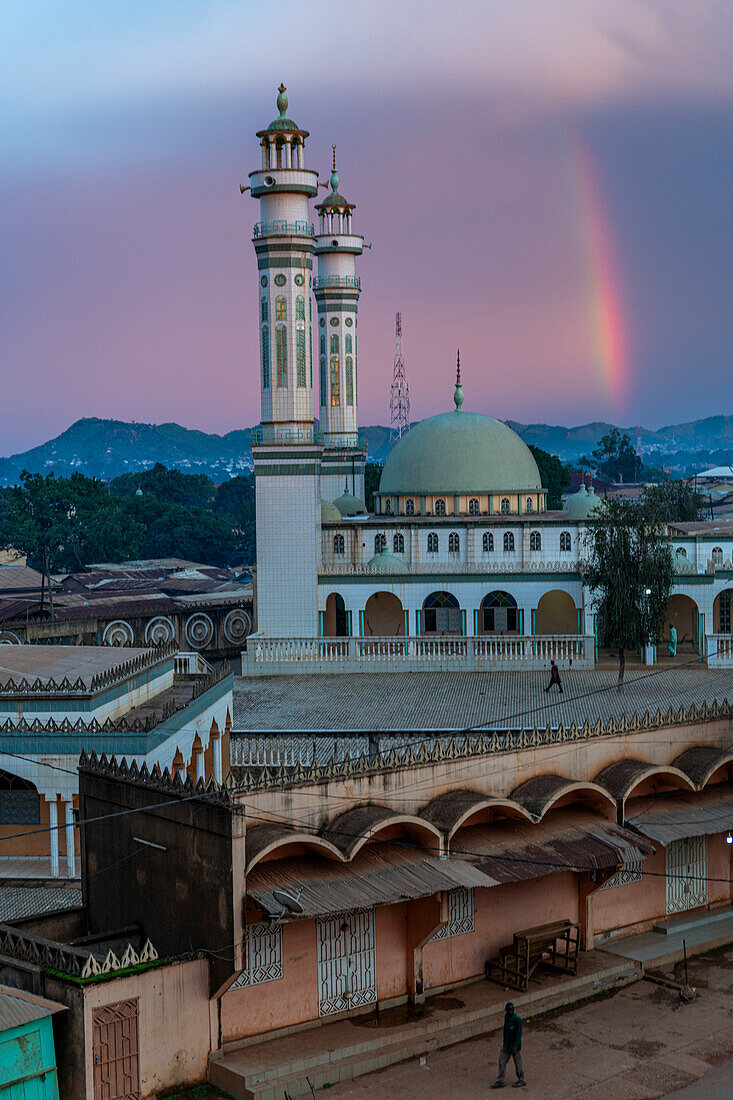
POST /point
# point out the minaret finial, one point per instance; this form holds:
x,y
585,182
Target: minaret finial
x,y
334,157
334,173
282,100
458,395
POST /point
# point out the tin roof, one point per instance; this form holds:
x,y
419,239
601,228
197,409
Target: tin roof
x,y
381,874
18,1007
19,902
668,817
19,578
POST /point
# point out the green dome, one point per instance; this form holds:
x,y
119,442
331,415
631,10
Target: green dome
x,y
384,562
329,512
583,504
349,505
460,452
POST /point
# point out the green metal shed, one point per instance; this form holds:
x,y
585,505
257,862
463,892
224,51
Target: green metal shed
x,y
27,1051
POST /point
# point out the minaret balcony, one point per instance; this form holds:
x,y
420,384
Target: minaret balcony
x,y
268,181
280,228
270,433
337,280
340,242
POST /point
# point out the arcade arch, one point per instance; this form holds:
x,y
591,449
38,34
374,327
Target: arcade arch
x,y
556,613
384,616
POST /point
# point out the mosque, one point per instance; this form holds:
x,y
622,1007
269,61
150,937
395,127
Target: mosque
x,y
461,564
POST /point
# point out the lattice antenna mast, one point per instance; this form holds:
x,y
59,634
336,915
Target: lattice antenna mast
x,y
399,391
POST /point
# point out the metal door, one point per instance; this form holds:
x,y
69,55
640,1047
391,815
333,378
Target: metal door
x,y
115,1047
687,870
347,964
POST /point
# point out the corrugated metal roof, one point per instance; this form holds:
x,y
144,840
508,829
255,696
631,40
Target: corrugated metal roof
x,y
381,874
17,902
668,817
18,1007
572,839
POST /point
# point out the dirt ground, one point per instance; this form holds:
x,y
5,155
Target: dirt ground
x,y
637,1044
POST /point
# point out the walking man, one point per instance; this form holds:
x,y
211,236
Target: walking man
x,y
554,677
511,1047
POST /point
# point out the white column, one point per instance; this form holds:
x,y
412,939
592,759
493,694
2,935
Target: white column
x,y
217,759
265,155
273,153
200,765
53,820
70,854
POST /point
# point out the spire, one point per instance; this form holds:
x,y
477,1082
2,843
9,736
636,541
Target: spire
x,y
458,395
282,100
334,173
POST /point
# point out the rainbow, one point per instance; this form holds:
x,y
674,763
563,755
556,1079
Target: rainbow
x,y
606,314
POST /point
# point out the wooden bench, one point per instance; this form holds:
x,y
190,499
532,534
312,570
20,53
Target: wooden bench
x,y
555,945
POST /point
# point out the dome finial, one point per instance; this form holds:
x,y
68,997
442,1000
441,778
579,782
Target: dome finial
x,y
334,173
282,100
458,395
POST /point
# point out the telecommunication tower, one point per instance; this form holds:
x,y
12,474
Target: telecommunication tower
x,y
399,391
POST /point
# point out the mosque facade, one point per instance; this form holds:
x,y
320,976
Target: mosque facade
x,y
460,563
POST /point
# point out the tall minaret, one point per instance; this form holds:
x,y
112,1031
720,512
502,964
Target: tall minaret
x,y
286,451
337,292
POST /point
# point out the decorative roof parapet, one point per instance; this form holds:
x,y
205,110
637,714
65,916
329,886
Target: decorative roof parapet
x,y
98,682
74,961
118,725
155,779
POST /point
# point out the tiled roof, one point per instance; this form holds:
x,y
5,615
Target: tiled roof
x,y
19,902
456,701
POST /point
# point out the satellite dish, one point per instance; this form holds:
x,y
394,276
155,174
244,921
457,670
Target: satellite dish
x,y
288,902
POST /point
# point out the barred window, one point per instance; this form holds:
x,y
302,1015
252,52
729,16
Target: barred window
x,y
323,345
300,356
380,543
473,506
300,308
281,309
535,540
323,382
530,506
508,542
440,507
263,953
409,507
349,380
398,544
338,544
264,310
265,358
488,541
460,914
335,381
564,540
504,506
454,543
334,344
432,543
281,350
348,343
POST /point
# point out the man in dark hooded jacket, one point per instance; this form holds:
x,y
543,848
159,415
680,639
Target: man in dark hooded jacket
x,y
511,1047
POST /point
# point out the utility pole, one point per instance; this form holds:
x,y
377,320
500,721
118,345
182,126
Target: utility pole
x,y
399,391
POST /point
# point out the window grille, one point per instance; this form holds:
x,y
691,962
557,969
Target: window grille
x,y
725,616
432,543
349,380
265,358
334,344
460,915
454,543
398,544
323,382
281,308
717,555
535,540
473,506
409,507
264,955
281,349
335,381
300,308
323,345
440,507
300,356
505,506
338,544
348,343
564,541
630,872
388,507
508,542
265,311
530,505
380,543
488,541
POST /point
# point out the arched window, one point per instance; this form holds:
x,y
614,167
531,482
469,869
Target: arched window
x,y
508,542
724,612
281,348
565,541
323,381
681,552
440,507
323,345
388,507
499,613
265,358
454,543
488,541
717,555
264,310
473,506
530,505
505,506
442,614
348,344
409,507
398,544
349,380
535,540
338,544
432,543
20,802
281,309
334,344
300,356
380,543
335,381
300,308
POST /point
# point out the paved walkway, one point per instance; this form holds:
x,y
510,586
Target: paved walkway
x,y
639,1044
422,701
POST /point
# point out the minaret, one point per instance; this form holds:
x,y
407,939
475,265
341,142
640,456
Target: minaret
x,y
285,449
337,290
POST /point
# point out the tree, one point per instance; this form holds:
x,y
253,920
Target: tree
x,y
167,486
614,458
372,475
554,476
235,501
673,502
190,533
629,570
